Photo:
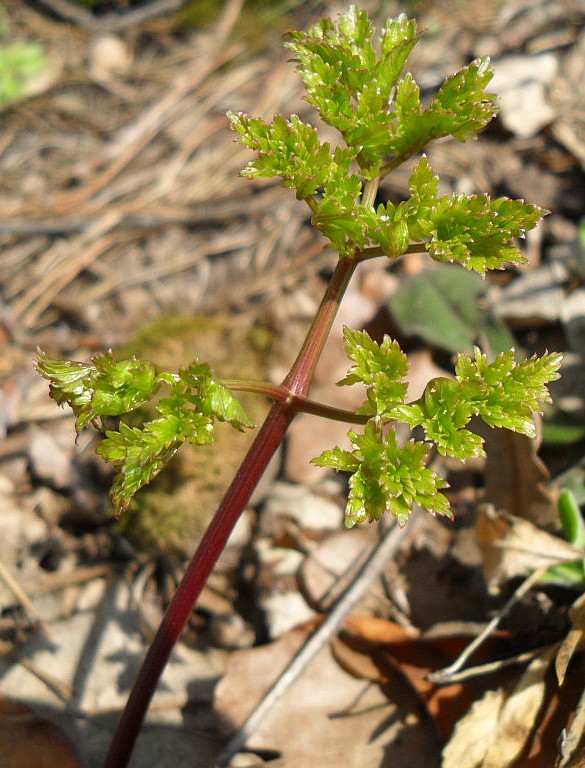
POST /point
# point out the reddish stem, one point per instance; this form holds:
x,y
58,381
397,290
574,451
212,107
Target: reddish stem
x,y
270,436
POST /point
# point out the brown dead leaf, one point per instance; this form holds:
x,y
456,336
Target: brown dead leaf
x,y
324,575
327,718
497,729
473,733
27,740
511,546
378,631
370,650
558,709
566,652
518,715
516,479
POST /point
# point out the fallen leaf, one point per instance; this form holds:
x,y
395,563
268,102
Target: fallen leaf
x,y
518,715
27,740
379,631
442,305
323,575
558,710
473,733
516,479
369,650
327,718
566,652
513,547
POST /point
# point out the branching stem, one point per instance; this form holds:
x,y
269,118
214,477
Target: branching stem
x,y
270,436
299,404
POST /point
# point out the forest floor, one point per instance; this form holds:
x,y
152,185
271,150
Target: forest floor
x,y
125,225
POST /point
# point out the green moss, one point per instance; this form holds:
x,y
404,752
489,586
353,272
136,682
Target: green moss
x,y
259,22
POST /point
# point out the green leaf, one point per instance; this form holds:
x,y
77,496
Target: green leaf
x,y
140,454
349,83
215,400
569,575
474,230
342,461
105,387
379,366
571,519
19,64
503,393
443,307
557,431
291,149
506,393
460,108
388,478
100,388
339,64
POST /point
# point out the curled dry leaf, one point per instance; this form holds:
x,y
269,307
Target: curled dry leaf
x,y
497,729
516,479
512,547
574,639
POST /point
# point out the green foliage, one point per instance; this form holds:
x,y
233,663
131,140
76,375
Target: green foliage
x,y
19,63
472,230
104,388
291,149
379,366
503,393
572,573
355,80
385,477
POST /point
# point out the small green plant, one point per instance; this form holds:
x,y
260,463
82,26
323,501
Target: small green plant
x,y
571,573
19,64
355,82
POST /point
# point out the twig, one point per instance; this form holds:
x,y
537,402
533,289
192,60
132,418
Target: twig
x,y
486,669
371,570
136,136
62,690
23,599
111,22
446,675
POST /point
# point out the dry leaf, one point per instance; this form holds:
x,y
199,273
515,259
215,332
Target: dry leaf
x,y
566,652
574,733
511,546
471,738
516,479
383,651
323,575
518,715
28,740
327,718
379,631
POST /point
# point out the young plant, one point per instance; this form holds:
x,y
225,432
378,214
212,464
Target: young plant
x,y
354,80
20,63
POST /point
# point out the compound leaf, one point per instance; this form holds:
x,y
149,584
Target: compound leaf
x,y
105,387
102,387
388,478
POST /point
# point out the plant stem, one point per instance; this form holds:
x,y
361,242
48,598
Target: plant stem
x,y
270,436
299,404
298,379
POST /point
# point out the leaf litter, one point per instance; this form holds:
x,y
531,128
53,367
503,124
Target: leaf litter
x,y
107,223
